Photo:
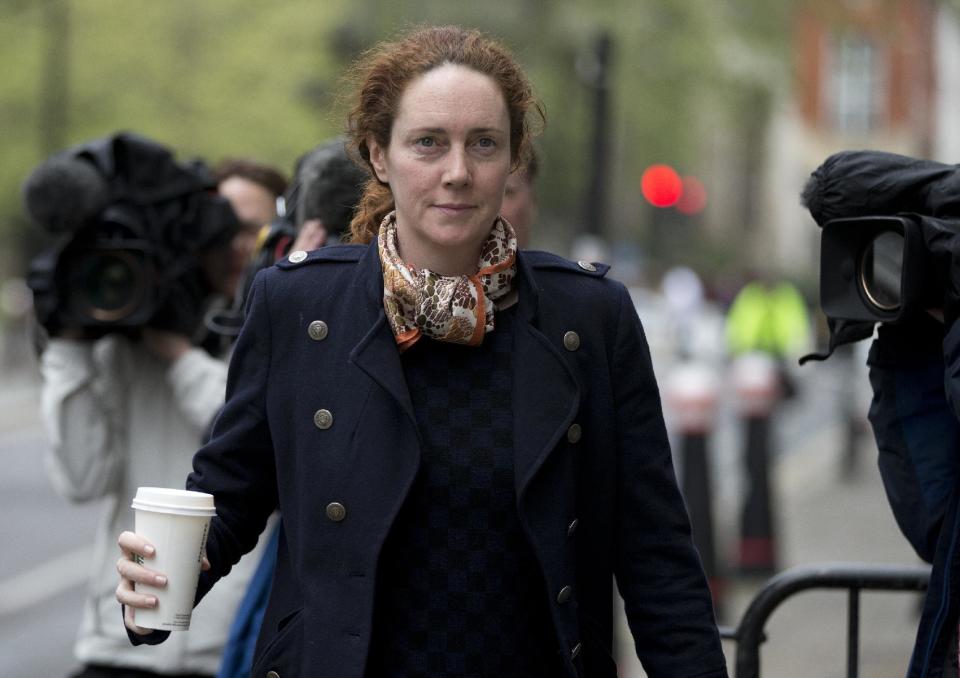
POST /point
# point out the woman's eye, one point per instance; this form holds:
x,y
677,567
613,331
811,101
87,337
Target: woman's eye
x,y
486,142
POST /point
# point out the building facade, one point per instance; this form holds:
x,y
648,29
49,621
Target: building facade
x,y
877,74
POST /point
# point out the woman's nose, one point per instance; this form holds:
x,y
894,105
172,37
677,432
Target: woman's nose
x,y
457,171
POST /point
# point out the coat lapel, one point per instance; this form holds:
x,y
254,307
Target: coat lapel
x,y
546,394
376,353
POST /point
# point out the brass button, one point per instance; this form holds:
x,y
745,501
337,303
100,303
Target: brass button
x,y
572,527
317,330
297,256
571,341
323,419
586,266
336,511
574,433
273,674
566,593
574,653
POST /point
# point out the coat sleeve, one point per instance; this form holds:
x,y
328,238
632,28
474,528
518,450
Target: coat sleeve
x,y
237,465
915,427
658,570
81,406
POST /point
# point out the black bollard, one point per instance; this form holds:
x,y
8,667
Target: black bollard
x,y
697,493
692,394
757,551
757,384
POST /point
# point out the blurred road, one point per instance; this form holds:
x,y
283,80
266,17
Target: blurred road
x,y
46,540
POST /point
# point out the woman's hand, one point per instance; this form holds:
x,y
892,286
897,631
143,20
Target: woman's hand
x,y
136,550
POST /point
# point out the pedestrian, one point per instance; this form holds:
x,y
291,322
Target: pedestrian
x,y
466,440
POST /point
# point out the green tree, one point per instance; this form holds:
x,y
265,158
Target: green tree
x,y
261,80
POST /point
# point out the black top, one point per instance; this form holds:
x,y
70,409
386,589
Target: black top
x,y
459,592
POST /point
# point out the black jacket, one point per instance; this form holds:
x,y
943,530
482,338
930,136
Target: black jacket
x,y
914,374
596,490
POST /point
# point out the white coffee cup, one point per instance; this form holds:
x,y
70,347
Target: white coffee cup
x,y
175,522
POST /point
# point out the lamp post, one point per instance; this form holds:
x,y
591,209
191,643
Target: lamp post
x,y
595,73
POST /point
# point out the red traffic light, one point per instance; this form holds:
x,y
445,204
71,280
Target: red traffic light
x,y
661,185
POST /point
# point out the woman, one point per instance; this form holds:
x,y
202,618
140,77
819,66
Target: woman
x,y
465,442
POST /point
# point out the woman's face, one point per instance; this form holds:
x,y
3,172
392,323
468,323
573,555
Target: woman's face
x,y
446,164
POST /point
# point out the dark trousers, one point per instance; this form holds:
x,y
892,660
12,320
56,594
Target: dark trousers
x,y
95,671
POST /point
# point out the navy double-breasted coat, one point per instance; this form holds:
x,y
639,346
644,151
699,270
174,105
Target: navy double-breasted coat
x,y
318,421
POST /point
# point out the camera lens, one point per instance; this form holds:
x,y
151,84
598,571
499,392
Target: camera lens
x,y
110,285
880,269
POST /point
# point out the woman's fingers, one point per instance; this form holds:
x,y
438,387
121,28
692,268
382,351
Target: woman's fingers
x,y
131,600
128,621
132,544
136,550
134,572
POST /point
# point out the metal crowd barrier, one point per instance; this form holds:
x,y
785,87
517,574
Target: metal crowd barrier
x,y
853,577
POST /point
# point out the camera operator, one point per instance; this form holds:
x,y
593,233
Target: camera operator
x,y
914,359
126,406
327,189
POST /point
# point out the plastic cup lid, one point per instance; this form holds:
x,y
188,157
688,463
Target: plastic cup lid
x,y
168,500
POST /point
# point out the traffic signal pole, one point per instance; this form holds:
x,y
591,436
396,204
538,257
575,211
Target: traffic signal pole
x,y
596,74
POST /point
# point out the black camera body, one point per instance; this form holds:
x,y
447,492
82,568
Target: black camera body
x,y
890,242
130,224
875,269
104,276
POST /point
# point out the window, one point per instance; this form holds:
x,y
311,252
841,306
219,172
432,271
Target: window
x,y
854,79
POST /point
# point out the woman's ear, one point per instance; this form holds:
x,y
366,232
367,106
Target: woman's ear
x,y
378,158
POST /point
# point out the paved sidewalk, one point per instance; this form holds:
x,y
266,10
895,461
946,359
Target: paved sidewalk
x,y
823,519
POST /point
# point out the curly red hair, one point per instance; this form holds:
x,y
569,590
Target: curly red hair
x,y
384,72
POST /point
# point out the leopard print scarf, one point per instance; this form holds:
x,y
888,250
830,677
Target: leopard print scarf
x,y
457,309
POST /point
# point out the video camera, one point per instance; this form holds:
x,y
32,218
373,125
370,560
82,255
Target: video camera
x,y
130,223
890,239
876,269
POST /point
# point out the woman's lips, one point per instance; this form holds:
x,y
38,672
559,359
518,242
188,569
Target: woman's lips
x,y
454,208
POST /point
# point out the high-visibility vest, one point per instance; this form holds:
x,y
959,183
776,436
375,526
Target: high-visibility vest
x,y
773,321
